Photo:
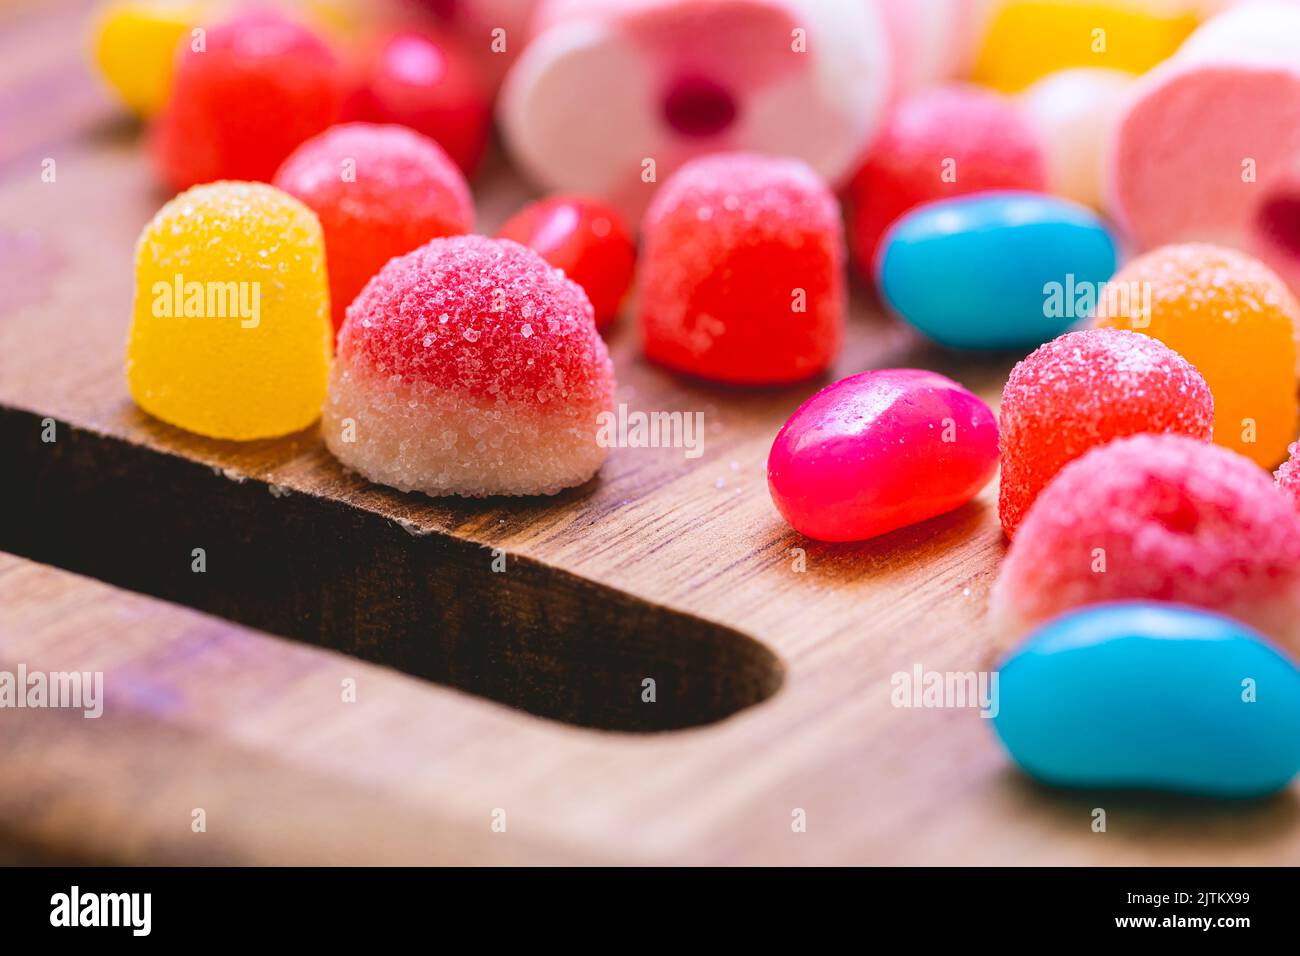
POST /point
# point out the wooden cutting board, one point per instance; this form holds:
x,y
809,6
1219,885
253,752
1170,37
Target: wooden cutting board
x,y
499,715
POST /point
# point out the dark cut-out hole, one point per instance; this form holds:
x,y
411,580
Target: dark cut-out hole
x,y
698,106
1278,220
341,577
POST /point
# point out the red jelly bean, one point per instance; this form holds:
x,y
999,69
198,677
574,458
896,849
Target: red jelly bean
x,y
880,450
403,191
742,274
1082,390
429,84
262,84
944,142
584,237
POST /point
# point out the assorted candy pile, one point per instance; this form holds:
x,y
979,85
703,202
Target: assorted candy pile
x,y
985,167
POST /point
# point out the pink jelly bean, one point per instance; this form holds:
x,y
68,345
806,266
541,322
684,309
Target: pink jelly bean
x,y
880,450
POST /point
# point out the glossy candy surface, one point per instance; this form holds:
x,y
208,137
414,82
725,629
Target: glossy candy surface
x,y
1235,320
995,271
938,144
379,191
1152,696
584,237
428,83
230,334
742,274
470,366
880,450
1082,390
261,85
1162,517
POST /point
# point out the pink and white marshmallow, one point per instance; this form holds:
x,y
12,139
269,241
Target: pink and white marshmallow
x,y
612,96
1208,146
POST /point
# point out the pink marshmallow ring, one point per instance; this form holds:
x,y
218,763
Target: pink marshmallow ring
x,y
1208,147
611,96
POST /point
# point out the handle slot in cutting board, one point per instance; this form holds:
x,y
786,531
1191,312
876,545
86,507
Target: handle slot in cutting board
x,y
338,576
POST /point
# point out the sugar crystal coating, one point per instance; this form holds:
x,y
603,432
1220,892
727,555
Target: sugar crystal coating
x,y
472,367
1288,475
1082,390
428,83
379,191
1235,320
230,334
742,276
261,85
584,237
1160,517
940,143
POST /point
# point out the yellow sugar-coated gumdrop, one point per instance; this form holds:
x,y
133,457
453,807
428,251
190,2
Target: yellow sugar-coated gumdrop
x,y
1027,39
1235,320
135,48
231,333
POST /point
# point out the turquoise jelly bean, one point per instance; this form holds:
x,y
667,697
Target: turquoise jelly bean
x,y
1153,696
1004,270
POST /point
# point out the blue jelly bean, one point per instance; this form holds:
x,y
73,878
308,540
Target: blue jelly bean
x,y
1151,696
1004,270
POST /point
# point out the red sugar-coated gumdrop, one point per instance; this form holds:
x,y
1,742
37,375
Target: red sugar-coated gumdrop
x,y
379,191
1160,517
880,450
428,83
943,142
742,275
262,84
1288,476
1082,390
472,367
584,237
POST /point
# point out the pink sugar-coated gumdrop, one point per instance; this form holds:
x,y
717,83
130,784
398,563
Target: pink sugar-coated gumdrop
x,y
943,142
262,84
470,367
428,83
742,276
1288,476
880,450
379,191
1159,517
1082,390
584,237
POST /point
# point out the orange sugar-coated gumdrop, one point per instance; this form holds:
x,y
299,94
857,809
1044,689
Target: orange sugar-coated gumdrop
x,y
1235,320
231,335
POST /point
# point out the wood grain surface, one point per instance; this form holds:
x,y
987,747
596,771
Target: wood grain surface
x,y
772,682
